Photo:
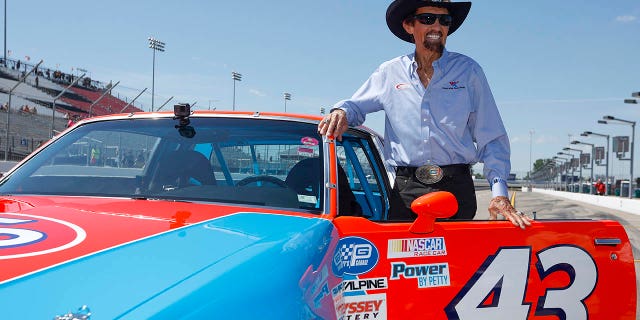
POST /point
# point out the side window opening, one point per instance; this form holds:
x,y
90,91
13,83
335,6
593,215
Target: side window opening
x,y
355,157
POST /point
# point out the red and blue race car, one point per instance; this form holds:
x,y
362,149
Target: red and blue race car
x,y
241,215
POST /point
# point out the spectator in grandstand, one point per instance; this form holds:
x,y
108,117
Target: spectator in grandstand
x,y
37,82
34,111
72,120
4,107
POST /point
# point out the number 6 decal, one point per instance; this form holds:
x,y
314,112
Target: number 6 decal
x,y
498,288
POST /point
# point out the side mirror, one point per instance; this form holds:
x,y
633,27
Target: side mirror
x,y
432,206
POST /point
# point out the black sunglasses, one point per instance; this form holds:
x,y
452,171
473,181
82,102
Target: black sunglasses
x,y
430,18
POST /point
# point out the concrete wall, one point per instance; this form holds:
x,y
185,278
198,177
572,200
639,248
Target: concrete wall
x,y
612,202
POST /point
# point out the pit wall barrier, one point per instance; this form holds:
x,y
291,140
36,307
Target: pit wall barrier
x,y
611,202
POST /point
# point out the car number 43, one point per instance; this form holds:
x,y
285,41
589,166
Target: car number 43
x,y
505,274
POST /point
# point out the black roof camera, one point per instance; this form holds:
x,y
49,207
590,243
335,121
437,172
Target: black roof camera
x,y
181,112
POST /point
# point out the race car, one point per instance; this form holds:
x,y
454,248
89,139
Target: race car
x,y
253,215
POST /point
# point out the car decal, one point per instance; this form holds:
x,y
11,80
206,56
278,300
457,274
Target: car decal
x,y
372,306
500,285
23,235
416,247
354,255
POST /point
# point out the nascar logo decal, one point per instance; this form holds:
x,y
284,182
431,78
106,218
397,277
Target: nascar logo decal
x,y
23,235
354,255
407,248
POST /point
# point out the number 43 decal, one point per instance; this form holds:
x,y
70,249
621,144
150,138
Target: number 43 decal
x,y
505,274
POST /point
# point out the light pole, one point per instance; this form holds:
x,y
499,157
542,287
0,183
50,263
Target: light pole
x,y
563,161
287,96
606,152
607,120
531,132
580,189
155,45
592,156
633,101
5,34
236,77
573,169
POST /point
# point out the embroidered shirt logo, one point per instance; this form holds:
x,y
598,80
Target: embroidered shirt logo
x,y
454,85
402,86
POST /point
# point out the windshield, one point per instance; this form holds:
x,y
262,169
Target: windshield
x,y
251,161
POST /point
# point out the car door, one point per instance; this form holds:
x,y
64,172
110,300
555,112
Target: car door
x,y
433,269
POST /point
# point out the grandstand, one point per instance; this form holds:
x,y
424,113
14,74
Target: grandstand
x,y
27,130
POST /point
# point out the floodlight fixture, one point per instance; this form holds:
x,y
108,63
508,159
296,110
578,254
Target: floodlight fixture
x,y
155,45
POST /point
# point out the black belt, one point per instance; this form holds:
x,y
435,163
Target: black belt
x,y
449,171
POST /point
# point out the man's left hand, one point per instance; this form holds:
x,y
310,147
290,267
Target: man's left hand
x,y
501,205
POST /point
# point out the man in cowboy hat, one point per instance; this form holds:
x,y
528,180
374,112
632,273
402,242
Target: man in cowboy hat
x,y
440,114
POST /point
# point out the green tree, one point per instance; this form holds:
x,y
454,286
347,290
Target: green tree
x,y
539,164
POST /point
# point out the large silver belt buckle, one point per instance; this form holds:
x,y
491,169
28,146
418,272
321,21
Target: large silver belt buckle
x,y
429,174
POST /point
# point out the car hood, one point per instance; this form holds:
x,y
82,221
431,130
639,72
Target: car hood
x,y
139,259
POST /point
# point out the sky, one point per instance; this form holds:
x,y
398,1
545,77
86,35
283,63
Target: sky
x,y
555,67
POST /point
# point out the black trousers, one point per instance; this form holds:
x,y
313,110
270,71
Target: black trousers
x,y
456,179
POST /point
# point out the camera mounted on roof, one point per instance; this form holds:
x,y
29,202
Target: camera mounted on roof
x,y
181,112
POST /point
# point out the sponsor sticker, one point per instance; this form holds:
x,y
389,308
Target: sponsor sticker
x,y
372,306
358,285
416,247
428,275
305,150
309,141
354,256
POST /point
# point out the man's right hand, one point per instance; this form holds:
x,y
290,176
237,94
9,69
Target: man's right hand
x,y
334,124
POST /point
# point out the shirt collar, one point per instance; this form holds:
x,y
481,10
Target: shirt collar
x,y
413,66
